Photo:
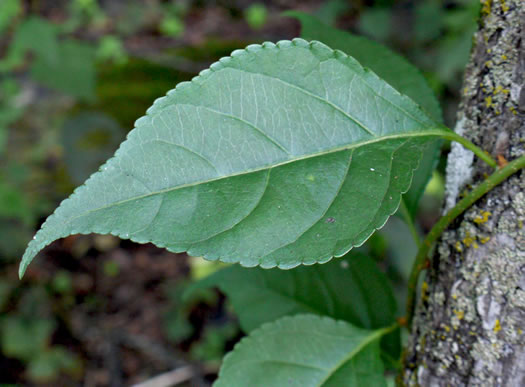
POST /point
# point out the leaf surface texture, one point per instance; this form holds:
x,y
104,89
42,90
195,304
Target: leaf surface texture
x,y
398,72
279,155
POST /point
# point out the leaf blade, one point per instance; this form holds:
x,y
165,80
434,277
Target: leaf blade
x,y
186,177
394,69
282,351
387,64
351,289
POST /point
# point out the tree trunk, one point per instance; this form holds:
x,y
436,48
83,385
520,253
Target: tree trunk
x,y
469,327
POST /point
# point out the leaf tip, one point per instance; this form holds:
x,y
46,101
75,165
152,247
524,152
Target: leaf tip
x,y
28,256
22,269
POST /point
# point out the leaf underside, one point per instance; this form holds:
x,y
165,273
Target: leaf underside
x,y
398,72
279,155
304,350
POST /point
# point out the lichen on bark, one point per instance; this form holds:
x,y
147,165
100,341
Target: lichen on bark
x,y
469,326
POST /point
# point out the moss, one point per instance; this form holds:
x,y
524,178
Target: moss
x,y
424,291
459,314
486,7
484,240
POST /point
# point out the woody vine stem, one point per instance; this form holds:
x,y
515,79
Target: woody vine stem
x,y
421,261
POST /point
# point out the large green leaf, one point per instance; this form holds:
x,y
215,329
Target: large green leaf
x,y
394,69
305,350
351,289
279,155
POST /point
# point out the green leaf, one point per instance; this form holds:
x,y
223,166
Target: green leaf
x,y
47,365
172,25
305,350
45,47
279,155
422,176
9,10
111,48
71,71
67,65
351,289
394,69
23,338
88,139
376,22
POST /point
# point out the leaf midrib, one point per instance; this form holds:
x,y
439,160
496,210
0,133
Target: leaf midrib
x,y
375,335
333,150
427,133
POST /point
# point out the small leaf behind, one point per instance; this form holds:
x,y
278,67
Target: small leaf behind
x,y
350,289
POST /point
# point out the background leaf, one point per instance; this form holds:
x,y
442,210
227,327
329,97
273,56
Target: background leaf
x,y
46,46
23,338
9,10
72,70
305,350
233,165
67,65
422,175
88,138
351,289
394,69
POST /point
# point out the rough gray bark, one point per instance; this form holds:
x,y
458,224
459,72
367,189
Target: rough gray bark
x,y
469,328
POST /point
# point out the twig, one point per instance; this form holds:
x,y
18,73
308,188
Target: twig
x,y
151,348
171,378
453,136
167,355
420,262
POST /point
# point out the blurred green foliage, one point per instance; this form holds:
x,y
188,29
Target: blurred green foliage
x,y
213,344
256,15
438,38
71,87
66,65
172,23
330,11
111,49
52,64
25,333
376,23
